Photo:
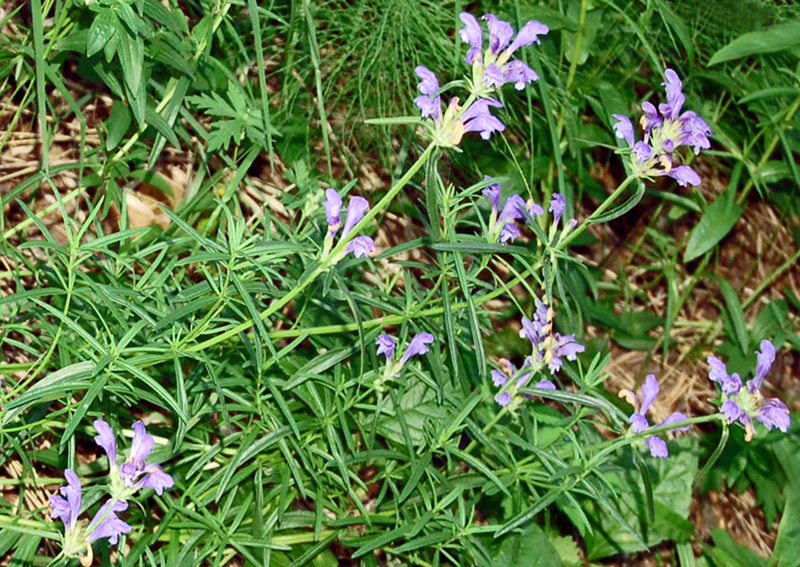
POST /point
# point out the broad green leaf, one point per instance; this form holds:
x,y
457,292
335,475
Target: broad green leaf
x,y
775,38
118,124
103,29
530,547
717,221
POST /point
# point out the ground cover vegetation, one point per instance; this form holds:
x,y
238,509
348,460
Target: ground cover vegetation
x,y
398,282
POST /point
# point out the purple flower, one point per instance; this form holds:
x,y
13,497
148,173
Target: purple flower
x,y
744,405
417,347
520,74
503,398
386,346
493,193
333,209
557,206
472,34
500,33
513,209
651,118
675,98
106,524
528,35
477,118
356,209
684,175
642,151
67,510
535,210
623,128
428,86
135,466
545,385
764,359
639,422
509,232
361,246
774,413
694,131
493,76
534,330
499,379
566,347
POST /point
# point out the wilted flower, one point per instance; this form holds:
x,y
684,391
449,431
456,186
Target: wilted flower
x,y
639,422
492,68
135,472
664,134
77,536
745,404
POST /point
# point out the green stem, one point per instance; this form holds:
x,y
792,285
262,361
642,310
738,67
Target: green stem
x,y
596,213
326,263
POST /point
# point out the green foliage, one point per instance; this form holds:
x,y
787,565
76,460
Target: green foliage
x,y
253,364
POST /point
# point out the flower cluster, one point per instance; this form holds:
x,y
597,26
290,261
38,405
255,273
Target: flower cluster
x,y
125,480
548,347
745,404
79,537
490,70
502,222
508,390
493,68
134,473
360,246
665,130
639,422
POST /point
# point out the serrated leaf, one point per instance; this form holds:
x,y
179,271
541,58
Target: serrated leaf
x,y
718,220
776,38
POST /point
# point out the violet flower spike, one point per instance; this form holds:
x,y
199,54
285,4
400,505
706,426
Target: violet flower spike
x,y
417,347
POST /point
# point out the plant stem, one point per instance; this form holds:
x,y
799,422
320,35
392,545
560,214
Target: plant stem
x,y
326,263
596,213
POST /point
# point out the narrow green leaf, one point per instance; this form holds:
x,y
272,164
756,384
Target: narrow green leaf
x,y
118,124
736,313
775,38
716,222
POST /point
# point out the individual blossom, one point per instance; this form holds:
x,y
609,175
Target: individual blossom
x,y
477,118
557,206
744,403
360,246
386,346
135,472
78,537
665,130
549,347
640,423
493,67
502,225
418,346
428,104
507,390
